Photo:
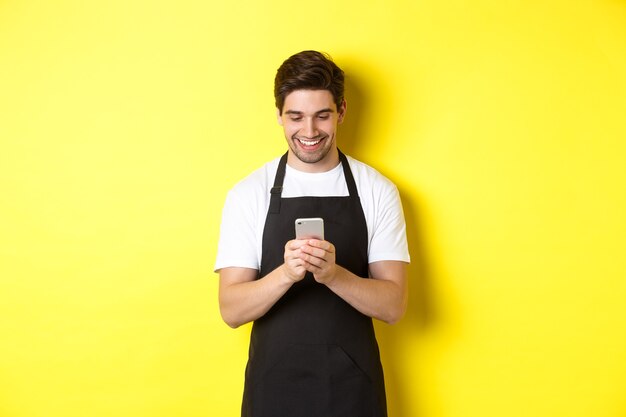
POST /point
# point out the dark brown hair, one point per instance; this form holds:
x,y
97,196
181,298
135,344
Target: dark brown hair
x,y
308,70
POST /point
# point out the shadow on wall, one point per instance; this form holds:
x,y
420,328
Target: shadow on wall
x,y
352,141
419,318
420,314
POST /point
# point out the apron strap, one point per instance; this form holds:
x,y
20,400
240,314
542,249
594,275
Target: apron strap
x,y
277,189
347,173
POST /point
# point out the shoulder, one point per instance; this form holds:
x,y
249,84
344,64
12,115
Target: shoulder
x,y
382,207
369,180
257,182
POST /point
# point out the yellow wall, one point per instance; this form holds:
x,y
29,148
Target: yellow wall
x,y
123,124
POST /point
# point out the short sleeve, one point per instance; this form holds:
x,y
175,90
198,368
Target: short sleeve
x,y
388,241
237,245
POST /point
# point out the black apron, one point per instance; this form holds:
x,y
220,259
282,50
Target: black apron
x,y
312,354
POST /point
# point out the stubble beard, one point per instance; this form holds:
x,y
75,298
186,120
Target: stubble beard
x,y
311,157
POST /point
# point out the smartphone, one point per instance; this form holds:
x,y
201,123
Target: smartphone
x,y
310,228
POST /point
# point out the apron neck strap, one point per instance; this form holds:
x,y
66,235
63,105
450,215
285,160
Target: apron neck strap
x,y
347,173
277,189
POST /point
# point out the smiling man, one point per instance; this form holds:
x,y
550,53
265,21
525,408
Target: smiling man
x,y
310,119
313,351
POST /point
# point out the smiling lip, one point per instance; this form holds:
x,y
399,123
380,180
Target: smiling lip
x,y
309,143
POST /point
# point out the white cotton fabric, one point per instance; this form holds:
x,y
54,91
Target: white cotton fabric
x,y
247,203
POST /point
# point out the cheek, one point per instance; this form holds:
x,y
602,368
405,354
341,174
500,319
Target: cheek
x,y
290,130
329,128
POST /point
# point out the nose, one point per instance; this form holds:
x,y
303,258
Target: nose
x,y
309,130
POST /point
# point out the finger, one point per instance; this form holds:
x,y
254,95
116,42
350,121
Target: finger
x,y
309,250
295,264
322,244
314,269
312,260
294,261
294,244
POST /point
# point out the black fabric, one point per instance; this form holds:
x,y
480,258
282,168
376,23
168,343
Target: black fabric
x,y
312,354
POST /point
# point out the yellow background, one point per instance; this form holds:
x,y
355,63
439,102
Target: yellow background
x,y
123,124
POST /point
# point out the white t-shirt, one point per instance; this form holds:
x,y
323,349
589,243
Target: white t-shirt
x,y
247,203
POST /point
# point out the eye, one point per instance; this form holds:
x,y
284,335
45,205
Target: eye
x,y
295,119
323,116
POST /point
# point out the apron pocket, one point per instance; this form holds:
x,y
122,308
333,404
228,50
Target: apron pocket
x,y
351,390
294,385
313,381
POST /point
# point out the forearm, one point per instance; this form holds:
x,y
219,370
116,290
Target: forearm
x,y
384,300
243,302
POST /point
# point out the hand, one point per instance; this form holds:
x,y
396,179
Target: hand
x,y
318,257
294,267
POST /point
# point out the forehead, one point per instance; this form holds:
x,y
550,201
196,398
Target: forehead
x,y
309,101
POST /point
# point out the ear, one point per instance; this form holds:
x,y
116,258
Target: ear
x,y
278,116
341,111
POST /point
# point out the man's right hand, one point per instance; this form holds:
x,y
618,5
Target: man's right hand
x,y
293,268
244,298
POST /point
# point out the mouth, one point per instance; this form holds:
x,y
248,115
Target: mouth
x,y
309,144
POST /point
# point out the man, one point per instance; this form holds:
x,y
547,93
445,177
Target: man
x,y
312,350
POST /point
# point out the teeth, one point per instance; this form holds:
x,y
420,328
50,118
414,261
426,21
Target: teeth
x,y
309,142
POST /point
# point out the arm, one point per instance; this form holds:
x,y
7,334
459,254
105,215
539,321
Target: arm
x,y
383,297
243,298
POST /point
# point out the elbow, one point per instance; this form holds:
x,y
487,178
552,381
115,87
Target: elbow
x,y
393,320
229,318
399,308
230,315
395,314
231,323
394,317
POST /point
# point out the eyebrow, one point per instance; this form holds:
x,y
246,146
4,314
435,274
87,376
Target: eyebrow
x,y
299,113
